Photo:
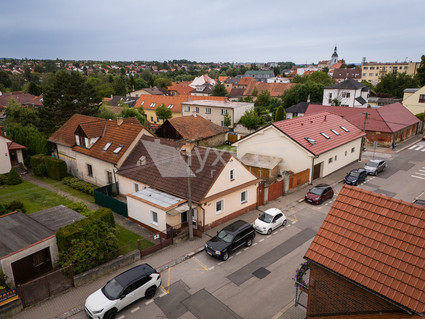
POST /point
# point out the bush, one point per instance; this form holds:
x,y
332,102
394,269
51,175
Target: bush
x,y
16,205
35,162
13,177
4,209
41,170
80,207
56,168
3,179
106,215
80,185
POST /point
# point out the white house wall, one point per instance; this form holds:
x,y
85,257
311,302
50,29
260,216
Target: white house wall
x,y
141,212
99,169
6,263
126,185
5,164
66,154
238,112
337,94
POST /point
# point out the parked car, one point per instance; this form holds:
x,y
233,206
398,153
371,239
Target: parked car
x,y
230,238
269,220
124,289
355,176
373,167
420,202
319,194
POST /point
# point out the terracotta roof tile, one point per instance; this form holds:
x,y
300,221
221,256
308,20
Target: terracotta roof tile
x,y
275,89
382,247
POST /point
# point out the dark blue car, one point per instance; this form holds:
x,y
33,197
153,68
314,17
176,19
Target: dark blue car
x,y
355,176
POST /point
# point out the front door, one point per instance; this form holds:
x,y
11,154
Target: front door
x,y
316,170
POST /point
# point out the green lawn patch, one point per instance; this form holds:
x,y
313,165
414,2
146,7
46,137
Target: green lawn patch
x,y
34,197
66,188
127,240
228,148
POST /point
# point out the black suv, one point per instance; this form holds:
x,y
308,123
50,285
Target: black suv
x,y
229,239
355,176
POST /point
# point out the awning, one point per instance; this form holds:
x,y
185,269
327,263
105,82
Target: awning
x,y
178,210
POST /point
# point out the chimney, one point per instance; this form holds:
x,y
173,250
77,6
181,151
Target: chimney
x,y
119,121
325,117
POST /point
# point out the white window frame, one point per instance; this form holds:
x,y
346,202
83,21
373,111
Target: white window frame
x,y
154,215
136,187
89,170
187,108
221,203
244,197
207,110
232,174
223,111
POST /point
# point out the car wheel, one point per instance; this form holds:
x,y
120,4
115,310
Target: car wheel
x,y
284,223
111,314
375,173
225,256
248,243
150,292
269,231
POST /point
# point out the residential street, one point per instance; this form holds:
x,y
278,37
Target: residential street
x,y
257,281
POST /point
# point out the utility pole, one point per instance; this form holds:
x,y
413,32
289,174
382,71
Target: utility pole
x,y
186,151
364,131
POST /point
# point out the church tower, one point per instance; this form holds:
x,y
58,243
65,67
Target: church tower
x,y
334,58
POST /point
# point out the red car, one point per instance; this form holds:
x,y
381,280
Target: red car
x,y
319,194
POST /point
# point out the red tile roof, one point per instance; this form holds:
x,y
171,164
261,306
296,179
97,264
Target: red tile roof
x,y
222,78
118,135
376,241
275,89
23,98
388,118
311,127
192,127
181,88
176,101
246,80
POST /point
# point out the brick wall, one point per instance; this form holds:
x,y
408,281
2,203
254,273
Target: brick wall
x,y
329,294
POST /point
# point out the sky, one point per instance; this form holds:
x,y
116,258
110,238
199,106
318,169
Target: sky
x,y
301,31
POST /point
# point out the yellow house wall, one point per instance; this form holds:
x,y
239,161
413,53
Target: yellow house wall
x,y
411,101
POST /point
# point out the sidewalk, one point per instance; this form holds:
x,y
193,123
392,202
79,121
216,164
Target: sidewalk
x,y
70,302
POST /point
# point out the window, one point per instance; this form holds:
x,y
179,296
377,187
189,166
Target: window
x,y
244,197
151,118
223,111
136,187
345,129
154,216
197,109
345,94
335,132
109,177
89,170
345,153
187,108
330,160
222,123
336,156
143,102
370,74
232,174
353,149
421,98
330,95
118,149
365,67
152,105
208,110
325,136
372,68
219,206
310,140
105,148
364,74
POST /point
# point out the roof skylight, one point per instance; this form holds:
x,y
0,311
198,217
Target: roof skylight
x,y
345,129
325,135
335,132
310,140
152,105
170,106
105,148
118,149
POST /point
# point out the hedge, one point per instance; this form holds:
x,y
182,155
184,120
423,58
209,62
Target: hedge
x,y
65,235
43,165
80,185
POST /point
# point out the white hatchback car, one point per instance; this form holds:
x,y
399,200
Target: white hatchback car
x,y
269,220
124,289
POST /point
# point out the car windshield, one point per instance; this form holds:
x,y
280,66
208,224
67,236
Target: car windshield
x,y
372,164
316,191
264,217
112,290
225,236
354,174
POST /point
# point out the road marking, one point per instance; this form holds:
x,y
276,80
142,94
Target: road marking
x,y
167,291
149,302
230,257
412,147
246,248
238,253
254,244
135,309
420,177
211,268
164,294
261,240
220,263
269,236
294,219
203,266
121,317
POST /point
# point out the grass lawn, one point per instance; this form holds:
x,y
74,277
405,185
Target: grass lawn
x,y
66,188
228,148
34,198
127,240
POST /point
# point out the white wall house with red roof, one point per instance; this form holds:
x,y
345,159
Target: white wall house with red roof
x,y
10,154
323,144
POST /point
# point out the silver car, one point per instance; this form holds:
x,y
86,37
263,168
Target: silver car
x,y
373,167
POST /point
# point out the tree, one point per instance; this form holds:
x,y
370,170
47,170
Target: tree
x,y
132,112
251,119
219,90
280,114
301,92
368,84
262,103
163,113
13,178
395,83
68,95
106,112
19,114
5,79
161,82
119,86
227,121
420,72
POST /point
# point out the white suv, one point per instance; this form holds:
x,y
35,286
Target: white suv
x,y
124,289
269,220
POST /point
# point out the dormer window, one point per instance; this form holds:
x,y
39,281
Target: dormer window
x,y
335,132
143,102
325,135
170,106
345,129
105,148
118,149
152,105
310,140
